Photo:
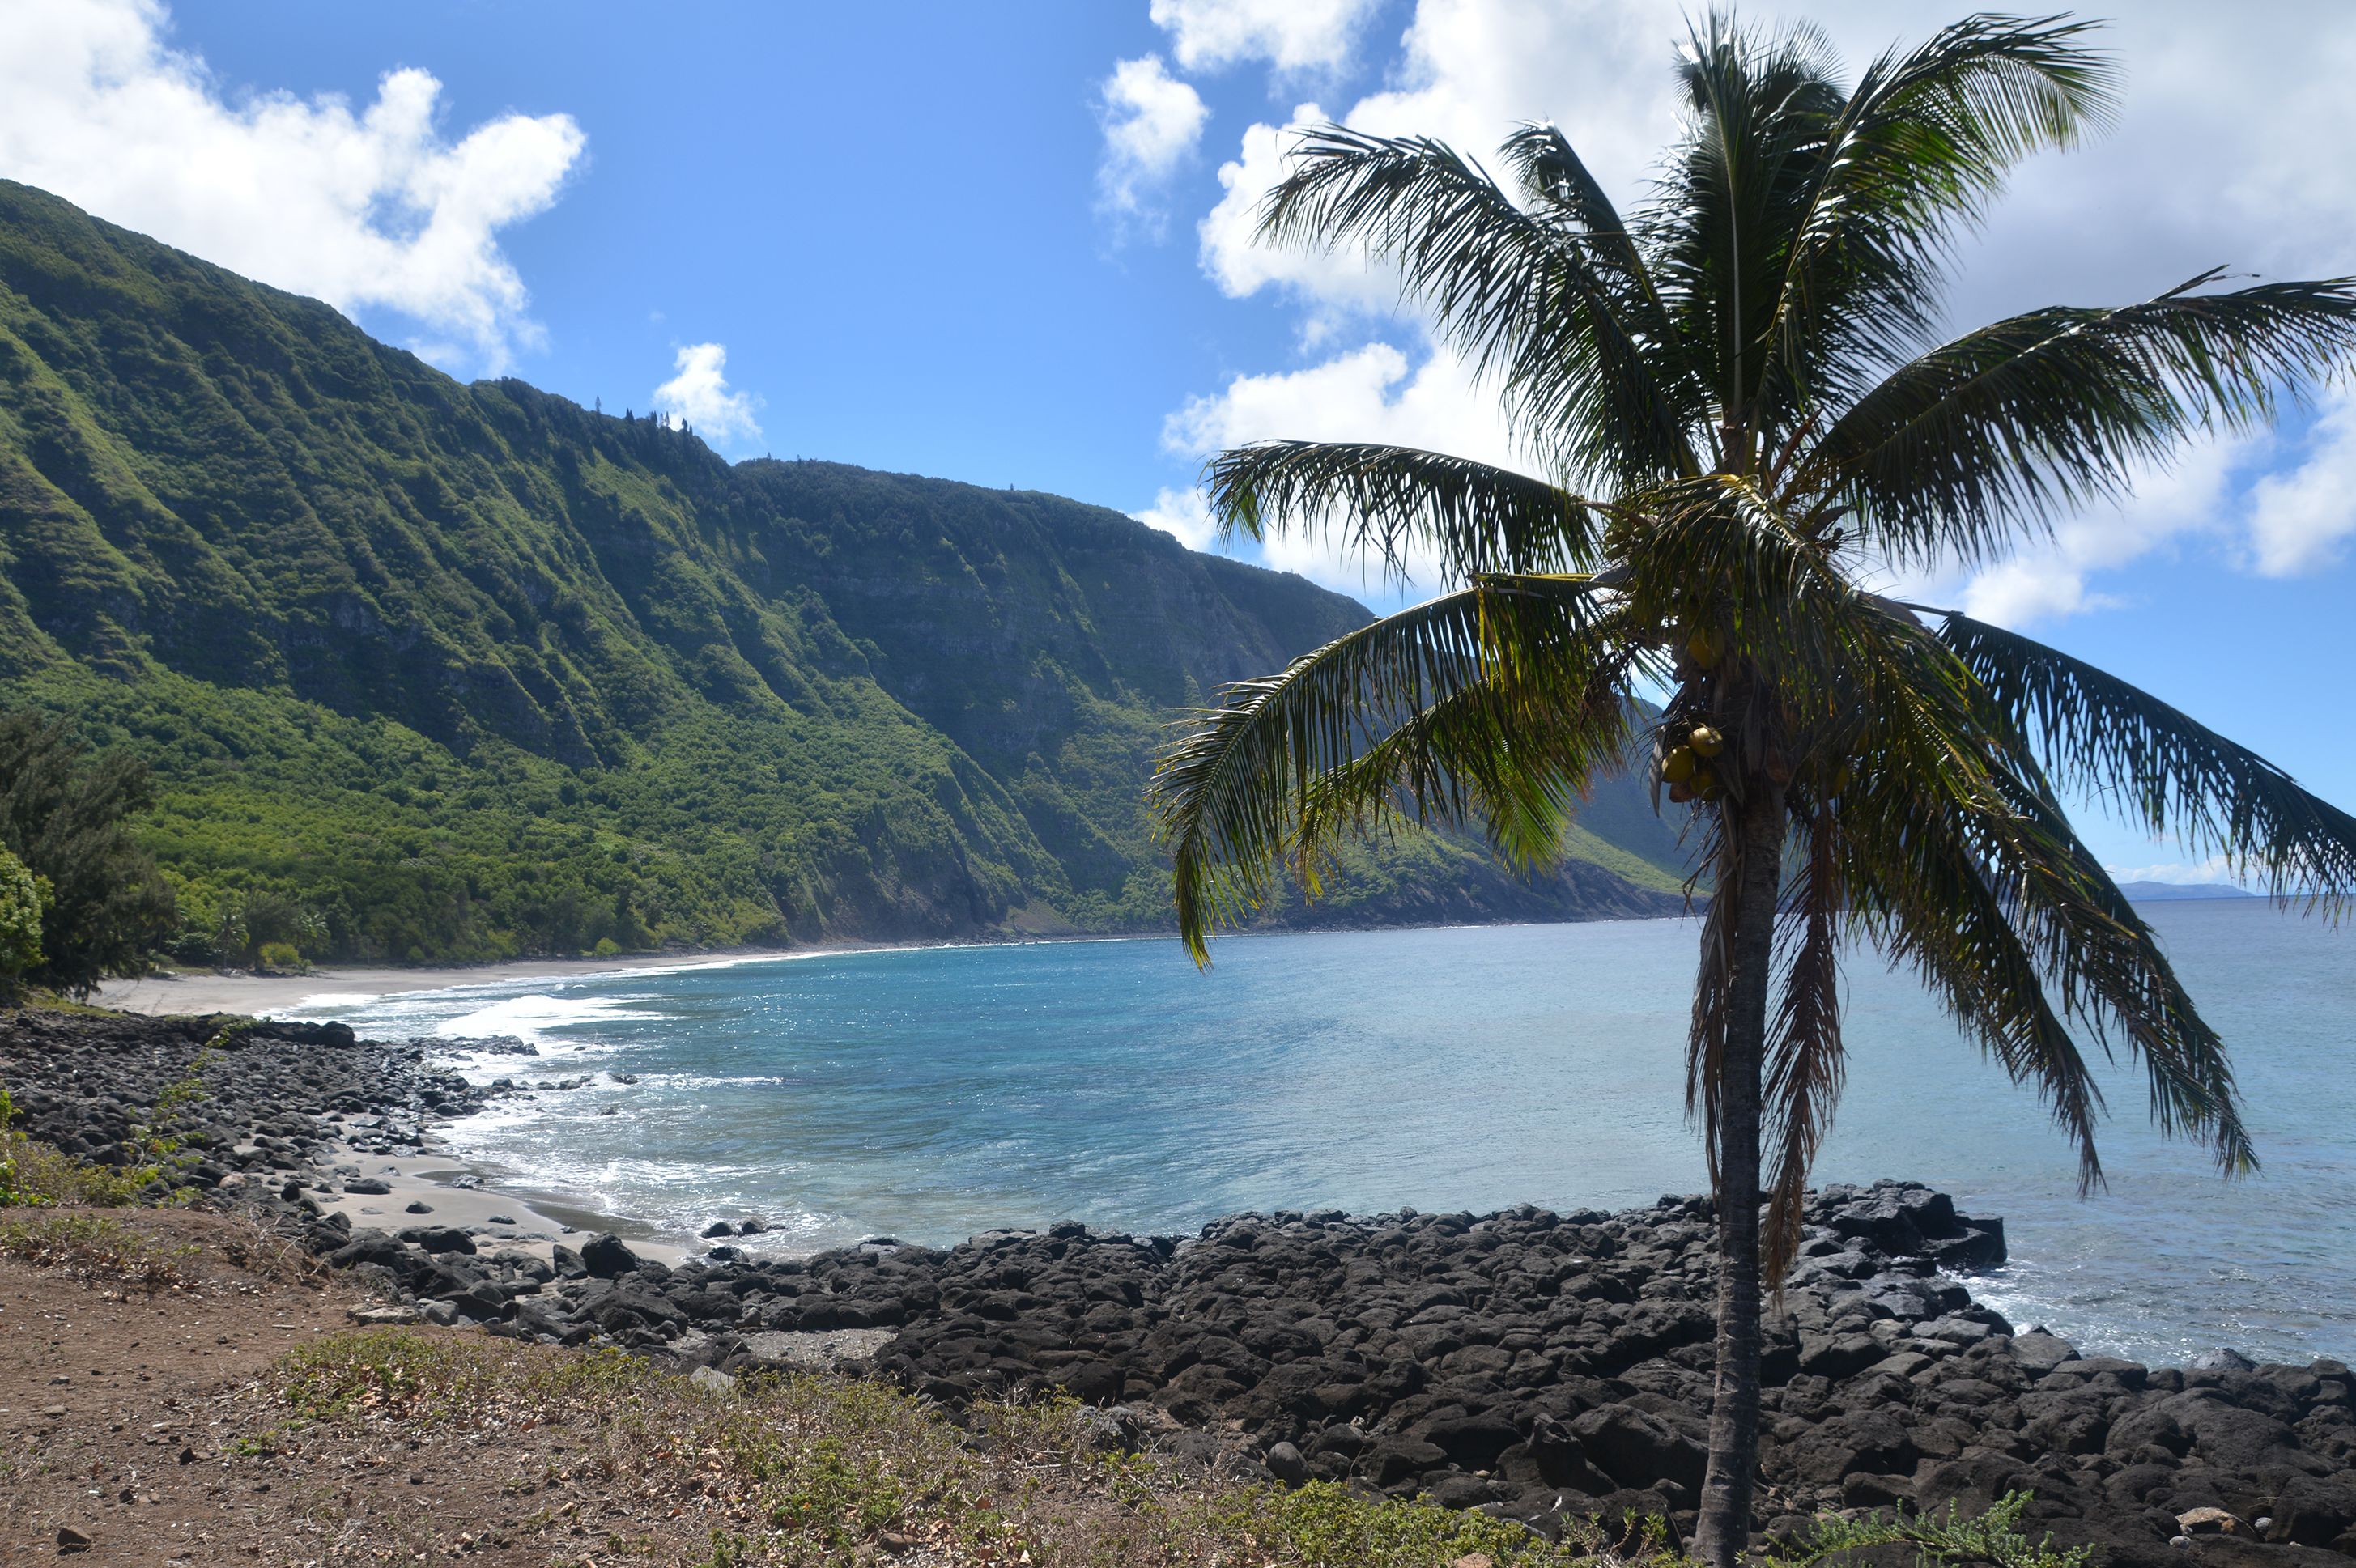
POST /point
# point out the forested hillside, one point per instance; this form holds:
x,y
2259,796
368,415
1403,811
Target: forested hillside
x,y
428,670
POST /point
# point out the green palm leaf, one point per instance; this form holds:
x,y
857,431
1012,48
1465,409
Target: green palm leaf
x,y
1389,500
2160,769
1962,449
1229,791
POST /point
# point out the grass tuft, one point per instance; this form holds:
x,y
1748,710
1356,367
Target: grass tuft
x,y
96,1249
1938,1537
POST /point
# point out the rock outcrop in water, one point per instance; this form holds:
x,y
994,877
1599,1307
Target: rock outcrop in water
x,y
1529,1363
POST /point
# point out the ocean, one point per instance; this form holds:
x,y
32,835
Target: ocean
x,y
931,1094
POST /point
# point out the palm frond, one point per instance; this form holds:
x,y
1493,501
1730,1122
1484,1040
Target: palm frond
x,y
2161,769
1924,141
1962,449
2112,973
1227,794
1928,903
1386,500
1806,1061
1945,857
1488,755
1519,298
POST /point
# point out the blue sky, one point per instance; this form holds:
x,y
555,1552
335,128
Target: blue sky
x,y
1006,244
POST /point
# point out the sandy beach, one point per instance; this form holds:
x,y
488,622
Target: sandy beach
x,y
532,1223
273,996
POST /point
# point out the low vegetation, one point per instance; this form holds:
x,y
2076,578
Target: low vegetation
x,y
813,1469
100,1250
539,1453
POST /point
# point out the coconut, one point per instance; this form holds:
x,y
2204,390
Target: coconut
x,y
1678,765
1706,742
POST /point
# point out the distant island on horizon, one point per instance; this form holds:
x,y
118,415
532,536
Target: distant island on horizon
x,y
2167,893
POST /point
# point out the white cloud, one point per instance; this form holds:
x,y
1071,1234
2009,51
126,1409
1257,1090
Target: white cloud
x,y
1151,121
2301,517
1185,515
363,208
2049,578
700,395
2212,162
1292,35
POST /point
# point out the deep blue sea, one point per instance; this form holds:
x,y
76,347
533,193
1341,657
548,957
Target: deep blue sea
x,y
931,1094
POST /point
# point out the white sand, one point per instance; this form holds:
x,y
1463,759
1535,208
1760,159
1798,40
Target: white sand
x,y
266,995
534,1224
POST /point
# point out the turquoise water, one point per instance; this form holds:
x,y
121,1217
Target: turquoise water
x,y
931,1094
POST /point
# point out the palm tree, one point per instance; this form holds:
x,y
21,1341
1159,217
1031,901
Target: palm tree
x,y
1743,419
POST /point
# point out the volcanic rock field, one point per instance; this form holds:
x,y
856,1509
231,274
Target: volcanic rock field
x,y
1529,1363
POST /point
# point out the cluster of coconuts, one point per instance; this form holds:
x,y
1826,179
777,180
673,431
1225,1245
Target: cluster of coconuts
x,y
1686,768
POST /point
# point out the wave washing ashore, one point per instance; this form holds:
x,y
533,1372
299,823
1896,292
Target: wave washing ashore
x,y
931,1094
1535,1364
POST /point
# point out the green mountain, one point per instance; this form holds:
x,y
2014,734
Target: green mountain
x,y
467,671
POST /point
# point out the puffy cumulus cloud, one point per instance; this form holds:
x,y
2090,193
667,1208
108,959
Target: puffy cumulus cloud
x,y
1334,290
2050,579
2211,160
2301,517
365,208
1470,71
1151,121
1291,35
2279,503
700,395
1183,515
1371,393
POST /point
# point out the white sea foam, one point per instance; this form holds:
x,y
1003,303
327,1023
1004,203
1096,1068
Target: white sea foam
x,y
329,1004
531,1018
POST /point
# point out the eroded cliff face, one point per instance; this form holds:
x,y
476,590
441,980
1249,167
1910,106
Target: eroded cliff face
x,y
471,670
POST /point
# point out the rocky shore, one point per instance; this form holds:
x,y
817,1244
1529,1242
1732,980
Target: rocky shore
x,y
1528,1363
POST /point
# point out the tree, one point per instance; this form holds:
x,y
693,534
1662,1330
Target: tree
x,y
66,815
23,896
1742,413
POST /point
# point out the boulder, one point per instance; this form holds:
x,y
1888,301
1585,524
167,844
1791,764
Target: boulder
x,y
605,1257
1637,1450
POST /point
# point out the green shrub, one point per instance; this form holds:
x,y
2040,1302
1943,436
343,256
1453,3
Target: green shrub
x,y
280,957
1937,1538
23,897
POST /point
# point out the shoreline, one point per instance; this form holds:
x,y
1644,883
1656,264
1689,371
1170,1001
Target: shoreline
x,y
265,996
199,993
1530,1363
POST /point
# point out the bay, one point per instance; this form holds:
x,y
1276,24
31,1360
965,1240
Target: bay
x,y
933,1093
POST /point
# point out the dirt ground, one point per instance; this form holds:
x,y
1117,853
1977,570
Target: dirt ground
x,y
233,1413
140,1427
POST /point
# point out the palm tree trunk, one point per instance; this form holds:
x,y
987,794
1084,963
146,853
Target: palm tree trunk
x,y
1724,1529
